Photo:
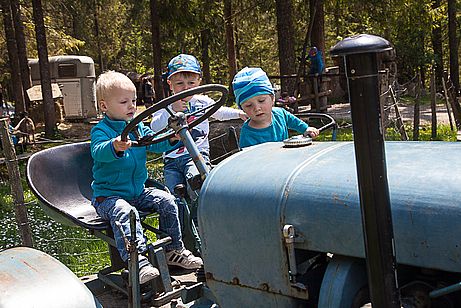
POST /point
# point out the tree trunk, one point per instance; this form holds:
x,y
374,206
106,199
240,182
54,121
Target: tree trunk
x,y
453,45
318,32
205,35
42,48
286,49
230,43
205,39
96,34
337,16
438,51
156,49
22,50
17,191
17,96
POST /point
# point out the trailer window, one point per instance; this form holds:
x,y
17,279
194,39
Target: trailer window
x,y
67,70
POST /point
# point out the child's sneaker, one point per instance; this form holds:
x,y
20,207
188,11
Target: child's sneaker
x,y
147,272
183,258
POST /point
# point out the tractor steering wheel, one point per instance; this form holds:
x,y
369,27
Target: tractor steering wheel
x,y
168,133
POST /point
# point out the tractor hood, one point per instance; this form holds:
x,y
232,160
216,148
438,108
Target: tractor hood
x,y
247,200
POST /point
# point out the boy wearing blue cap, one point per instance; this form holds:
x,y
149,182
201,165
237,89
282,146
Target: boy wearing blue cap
x,y
184,73
255,95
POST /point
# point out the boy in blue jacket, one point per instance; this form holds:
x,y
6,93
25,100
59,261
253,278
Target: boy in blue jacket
x,y
119,173
255,95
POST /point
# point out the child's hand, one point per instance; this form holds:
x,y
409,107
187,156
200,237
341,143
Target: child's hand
x,y
311,132
175,138
120,145
243,115
180,105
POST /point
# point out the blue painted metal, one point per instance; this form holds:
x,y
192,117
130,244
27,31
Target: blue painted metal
x,y
343,279
31,278
248,198
447,290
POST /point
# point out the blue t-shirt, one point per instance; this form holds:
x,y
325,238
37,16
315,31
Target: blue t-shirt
x,y
282,120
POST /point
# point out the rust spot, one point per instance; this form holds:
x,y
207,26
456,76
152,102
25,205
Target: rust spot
x,y
235,281
208,275
6,279
264,286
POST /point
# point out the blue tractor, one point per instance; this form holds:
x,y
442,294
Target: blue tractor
x,y
308,224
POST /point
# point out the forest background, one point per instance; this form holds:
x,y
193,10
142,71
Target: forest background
x,y
142,35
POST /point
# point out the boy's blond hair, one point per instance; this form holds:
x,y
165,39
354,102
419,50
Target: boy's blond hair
x,y
110,80
186,74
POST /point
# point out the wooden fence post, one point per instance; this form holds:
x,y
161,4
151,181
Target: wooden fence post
x,y
447,103
15,184
433,107
416,110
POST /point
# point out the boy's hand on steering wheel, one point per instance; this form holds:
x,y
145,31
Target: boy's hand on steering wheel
x,y
180,106
120,145
175,138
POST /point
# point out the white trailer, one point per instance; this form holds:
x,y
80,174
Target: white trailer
x,y
76,78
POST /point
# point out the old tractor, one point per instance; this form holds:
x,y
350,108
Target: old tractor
x,y
322,224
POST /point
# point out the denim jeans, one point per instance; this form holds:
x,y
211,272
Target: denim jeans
x,y
151,200
179,170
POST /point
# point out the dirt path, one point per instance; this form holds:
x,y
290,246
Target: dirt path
x,y
343,112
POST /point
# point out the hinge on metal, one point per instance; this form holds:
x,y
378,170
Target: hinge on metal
x,y
289,236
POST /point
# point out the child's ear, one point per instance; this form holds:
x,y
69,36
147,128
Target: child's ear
x,y
169,83
103,106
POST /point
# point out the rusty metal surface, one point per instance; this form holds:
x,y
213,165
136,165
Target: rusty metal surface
x,y
31,278
110,298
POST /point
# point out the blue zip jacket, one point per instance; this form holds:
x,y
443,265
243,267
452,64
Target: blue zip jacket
x,y
282,121
124,175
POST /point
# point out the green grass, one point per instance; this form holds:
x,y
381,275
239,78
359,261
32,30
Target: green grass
x,y
444,133
82,252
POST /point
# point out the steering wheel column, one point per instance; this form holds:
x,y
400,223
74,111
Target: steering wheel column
x,y
178,122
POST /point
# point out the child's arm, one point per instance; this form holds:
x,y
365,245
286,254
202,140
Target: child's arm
x,y
228,113
300,126
106,149
223,113
157,147
159,120
293,122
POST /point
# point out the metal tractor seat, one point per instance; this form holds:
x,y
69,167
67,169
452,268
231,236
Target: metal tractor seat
x,y
61,179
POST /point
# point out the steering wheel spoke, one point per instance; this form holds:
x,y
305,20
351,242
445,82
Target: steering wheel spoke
x,y
168,133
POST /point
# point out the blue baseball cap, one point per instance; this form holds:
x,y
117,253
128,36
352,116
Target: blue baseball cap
x,y
183,63
250,82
